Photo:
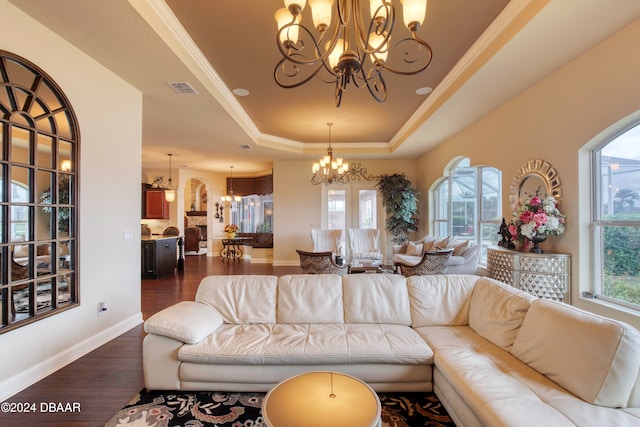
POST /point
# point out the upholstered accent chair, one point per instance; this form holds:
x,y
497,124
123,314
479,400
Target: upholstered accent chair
x,y
364,243
326,240
432,262
192,237
320,263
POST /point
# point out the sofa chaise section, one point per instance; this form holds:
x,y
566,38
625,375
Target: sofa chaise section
x,y
520,361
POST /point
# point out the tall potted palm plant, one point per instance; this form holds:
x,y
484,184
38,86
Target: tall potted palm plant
x,y
400,202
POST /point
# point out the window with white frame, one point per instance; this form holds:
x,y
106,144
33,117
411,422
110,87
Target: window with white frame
x,y
467,204
616,218
367,209
253,213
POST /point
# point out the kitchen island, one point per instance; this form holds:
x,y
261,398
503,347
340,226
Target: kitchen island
x,y
160,256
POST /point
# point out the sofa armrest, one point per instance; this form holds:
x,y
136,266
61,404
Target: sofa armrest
x,y
472,254
186,321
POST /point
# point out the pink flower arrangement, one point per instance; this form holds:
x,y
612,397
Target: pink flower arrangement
x,y
536,217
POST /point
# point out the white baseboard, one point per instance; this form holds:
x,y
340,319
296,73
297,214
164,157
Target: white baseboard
x,y
26,378
262,260
287,263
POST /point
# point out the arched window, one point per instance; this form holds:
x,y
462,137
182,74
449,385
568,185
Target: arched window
x,y
616,218
39,141
467,204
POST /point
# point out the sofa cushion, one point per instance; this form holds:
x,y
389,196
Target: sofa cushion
x,y
414,249
242,298
310,298
500,390
407,259
497,310
275,344
20,251
384,296
186,321
440,243
428,242
456,260
440,299
480,371
459,246
595,358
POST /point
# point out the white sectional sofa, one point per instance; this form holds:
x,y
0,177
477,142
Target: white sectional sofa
x,y
464,259
495,356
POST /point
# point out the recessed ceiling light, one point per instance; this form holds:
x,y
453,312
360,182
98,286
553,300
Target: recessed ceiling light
x,y
240,91
424,90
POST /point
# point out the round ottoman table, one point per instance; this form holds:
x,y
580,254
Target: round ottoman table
x,y
321,399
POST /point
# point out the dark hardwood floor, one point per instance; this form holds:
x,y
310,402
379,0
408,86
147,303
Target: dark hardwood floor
x,y
106,379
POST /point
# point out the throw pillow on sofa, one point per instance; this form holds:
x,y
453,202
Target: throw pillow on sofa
x,y
459,246
190,325
414,249
428,243
440,243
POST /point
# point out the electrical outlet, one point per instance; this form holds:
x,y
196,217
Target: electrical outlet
x,y
102,308
127,235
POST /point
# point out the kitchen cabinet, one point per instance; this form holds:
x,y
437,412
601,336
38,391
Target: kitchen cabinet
x,y
154,204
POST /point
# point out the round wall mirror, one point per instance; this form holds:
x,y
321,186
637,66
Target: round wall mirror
x,y
535,176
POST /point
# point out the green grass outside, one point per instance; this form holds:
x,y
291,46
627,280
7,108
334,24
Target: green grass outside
x,y
625,288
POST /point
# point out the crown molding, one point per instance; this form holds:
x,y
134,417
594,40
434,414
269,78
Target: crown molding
x,y
515,16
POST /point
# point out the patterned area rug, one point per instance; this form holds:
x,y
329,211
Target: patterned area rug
x,y
243,410
43,298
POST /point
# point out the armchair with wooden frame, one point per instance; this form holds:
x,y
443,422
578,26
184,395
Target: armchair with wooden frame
x,y
432,262
192,236
320,263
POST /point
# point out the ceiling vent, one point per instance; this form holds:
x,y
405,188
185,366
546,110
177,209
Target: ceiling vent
x,y
182,87
245,146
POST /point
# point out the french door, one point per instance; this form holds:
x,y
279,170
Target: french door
x,y
350,206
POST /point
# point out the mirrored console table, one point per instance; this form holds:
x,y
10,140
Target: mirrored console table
x,y
544,275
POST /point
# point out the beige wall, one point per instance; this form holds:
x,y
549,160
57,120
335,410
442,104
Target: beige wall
x,y
553,120
109,207
298,204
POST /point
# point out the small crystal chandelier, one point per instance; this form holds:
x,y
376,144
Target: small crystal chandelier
x,y
329,171
169,189
355,50
230,199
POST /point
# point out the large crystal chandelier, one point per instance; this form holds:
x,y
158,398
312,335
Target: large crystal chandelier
x,y
336,171
349,46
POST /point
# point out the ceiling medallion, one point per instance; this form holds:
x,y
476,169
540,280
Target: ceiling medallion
x,y
348,47
329,171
